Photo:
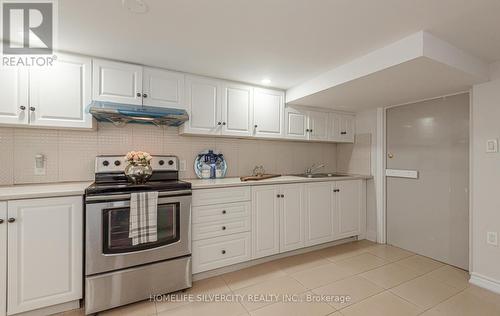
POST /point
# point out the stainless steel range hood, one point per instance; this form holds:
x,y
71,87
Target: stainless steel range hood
x,y
121,114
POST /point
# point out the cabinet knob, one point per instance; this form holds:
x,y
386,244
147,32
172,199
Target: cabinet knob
x,y
139,94
223,123
1,221
336,190
282,196
278,195
32,108
223,227
224,212
223,252
11,220
308,130
255,126
144,95
22,107
219,123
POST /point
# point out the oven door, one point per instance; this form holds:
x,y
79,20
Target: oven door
x,y
108,246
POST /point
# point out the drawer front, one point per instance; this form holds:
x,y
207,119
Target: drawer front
x,y
221,228
219,252
218,212
220,196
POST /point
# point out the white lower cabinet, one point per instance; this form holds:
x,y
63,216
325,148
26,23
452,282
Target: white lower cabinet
x,y
45,253
292,215
231,226
319,213
3,258
265,220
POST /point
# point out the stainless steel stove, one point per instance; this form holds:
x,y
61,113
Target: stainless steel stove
x,y
118,272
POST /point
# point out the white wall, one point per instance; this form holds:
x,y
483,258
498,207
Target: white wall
x,y
485,184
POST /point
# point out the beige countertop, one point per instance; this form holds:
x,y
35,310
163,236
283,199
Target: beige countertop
x,y
30,191
235,182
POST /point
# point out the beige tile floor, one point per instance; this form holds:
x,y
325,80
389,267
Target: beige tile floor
x,y
379,280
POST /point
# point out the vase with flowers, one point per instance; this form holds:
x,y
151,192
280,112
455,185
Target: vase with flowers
x,y
139,168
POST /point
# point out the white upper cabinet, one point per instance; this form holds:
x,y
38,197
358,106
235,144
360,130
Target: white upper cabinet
x,y
318,125
59,95
265,221
296,123
14,96
163,88
268,107
203,100
237,105
117,82
45,252
3,258
292,216
342,127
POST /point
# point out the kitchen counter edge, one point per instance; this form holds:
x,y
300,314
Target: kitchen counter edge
x,y
236,182
46,190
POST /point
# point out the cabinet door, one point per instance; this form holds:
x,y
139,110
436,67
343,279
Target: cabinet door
x,y
59,95
347,122
203,100
268,107
14,95
3,258
319,215
334,120
318,125
296,124
44,253
347,211
265,221
292,217
117,82
163,88
237,102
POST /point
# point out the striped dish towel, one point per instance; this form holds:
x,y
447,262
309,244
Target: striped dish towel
x,y
143,217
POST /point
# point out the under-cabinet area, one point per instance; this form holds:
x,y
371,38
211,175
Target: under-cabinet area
x,y
238,224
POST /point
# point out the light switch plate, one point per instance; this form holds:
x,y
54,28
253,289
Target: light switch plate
x,y
492,146
492,238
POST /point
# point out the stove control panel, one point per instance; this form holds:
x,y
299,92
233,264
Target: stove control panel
x,y
112,163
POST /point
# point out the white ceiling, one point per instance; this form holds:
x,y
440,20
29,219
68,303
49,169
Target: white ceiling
x,y
288,41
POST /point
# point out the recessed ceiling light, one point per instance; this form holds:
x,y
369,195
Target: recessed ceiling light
x,y
265,81
135,6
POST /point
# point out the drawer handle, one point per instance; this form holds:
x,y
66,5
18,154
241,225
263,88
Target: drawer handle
x,y
223,252
343,133
224,212
223,227
336,190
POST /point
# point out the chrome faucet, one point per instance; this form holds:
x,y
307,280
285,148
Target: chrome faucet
x,y
314,167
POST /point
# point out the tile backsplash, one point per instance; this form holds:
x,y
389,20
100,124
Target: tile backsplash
x,y
70,154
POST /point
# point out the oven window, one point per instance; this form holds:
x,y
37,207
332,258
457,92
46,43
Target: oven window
x,y
116,229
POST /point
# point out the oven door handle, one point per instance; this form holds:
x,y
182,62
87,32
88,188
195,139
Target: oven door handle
x,y
124,197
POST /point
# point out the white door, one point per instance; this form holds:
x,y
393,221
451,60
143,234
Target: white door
x,y
3,258
117,82
163,88
203,100
14,96
292,217
319,213
60,95
347,210
237,102
44,252
296,124
318,125
347,122
265,221
268,107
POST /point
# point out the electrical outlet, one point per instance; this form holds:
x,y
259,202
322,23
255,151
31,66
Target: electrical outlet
x,y
492,238
182,165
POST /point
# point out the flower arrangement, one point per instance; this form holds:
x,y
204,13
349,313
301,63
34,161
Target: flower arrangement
x,y
134,157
